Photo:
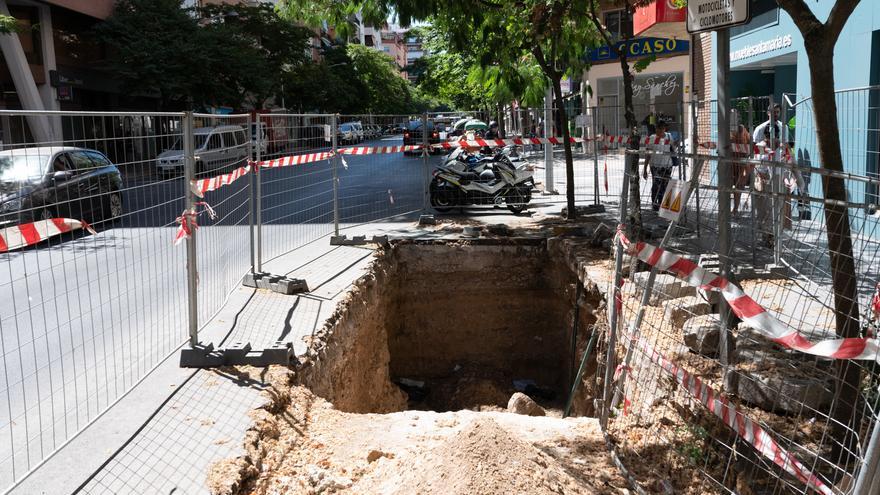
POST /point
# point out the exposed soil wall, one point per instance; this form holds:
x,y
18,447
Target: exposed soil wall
x,y
467,320
348,361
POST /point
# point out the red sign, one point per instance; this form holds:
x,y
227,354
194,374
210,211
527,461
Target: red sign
x,y
659,11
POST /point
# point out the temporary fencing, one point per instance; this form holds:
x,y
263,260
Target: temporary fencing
x,y
83,316
744,358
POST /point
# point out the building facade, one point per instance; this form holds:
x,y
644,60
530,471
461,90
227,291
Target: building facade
x,y
768,58
662,87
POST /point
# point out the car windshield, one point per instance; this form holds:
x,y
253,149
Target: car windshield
x,y
415,125
18,168
199,140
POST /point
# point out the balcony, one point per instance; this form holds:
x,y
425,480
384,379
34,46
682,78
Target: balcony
x,y
661,20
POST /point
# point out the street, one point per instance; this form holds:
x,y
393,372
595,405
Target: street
x,y
84,317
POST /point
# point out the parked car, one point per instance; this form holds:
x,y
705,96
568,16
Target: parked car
x,y
395,129
58,182
358,131
346,134
414,132
217,149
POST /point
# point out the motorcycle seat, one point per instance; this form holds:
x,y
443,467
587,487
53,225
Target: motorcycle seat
x,y
469,176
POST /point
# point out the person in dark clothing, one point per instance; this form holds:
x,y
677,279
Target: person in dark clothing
x,y
651,123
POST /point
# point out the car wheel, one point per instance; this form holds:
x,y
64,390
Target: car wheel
x,y
113,207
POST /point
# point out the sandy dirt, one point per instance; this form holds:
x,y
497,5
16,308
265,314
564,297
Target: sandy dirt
x,y
308,447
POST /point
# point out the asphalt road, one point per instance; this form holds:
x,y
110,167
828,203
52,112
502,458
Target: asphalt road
x,y
84,317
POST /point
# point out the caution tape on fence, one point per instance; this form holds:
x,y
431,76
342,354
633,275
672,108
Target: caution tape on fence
x,y
188,221
748,429
746,148
28,234
374,150
482,142
201,186
749,310
287,161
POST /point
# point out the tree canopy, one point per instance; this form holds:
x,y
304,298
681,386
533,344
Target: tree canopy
x,y
242,56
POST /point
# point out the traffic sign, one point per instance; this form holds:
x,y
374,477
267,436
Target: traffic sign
x,y
711,15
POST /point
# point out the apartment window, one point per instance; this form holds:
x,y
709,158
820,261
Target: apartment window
x,y
368,40
764,13
619,24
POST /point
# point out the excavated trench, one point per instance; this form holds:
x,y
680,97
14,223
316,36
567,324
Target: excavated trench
x,y
447,326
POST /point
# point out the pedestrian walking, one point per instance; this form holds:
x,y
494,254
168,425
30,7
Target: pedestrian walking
x,y
651,123
771,149
740,172
660,164
773,114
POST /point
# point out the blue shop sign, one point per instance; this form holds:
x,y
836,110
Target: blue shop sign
x,y
640,47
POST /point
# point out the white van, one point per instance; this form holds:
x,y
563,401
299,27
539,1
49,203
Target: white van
x,y
218,150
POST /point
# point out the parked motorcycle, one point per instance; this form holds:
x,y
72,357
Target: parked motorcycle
x,y
495,181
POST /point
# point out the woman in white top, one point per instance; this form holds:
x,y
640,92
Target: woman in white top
x,y
771,150
661,165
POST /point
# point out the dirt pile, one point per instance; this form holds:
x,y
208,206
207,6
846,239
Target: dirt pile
x,y
308,447
481,458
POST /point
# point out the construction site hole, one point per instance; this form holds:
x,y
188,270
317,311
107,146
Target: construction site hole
x,y
451,326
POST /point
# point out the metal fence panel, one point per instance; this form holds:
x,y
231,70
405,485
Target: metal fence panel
x,y
84,316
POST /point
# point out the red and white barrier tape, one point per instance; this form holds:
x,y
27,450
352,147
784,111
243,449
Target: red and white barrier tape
x,y
28,234
744,426
745,148
373,150
201,186
750,311
188,221
605,161
481,143
287,161
626,139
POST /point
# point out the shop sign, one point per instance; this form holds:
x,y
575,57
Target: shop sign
x,y
760,48
640,47
653,86
58,79
711,15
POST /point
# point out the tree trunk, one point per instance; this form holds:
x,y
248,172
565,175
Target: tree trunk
x,y
501,127
634,215
840,251
562,121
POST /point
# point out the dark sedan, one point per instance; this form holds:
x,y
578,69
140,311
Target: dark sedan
x,y
414,134
58,182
